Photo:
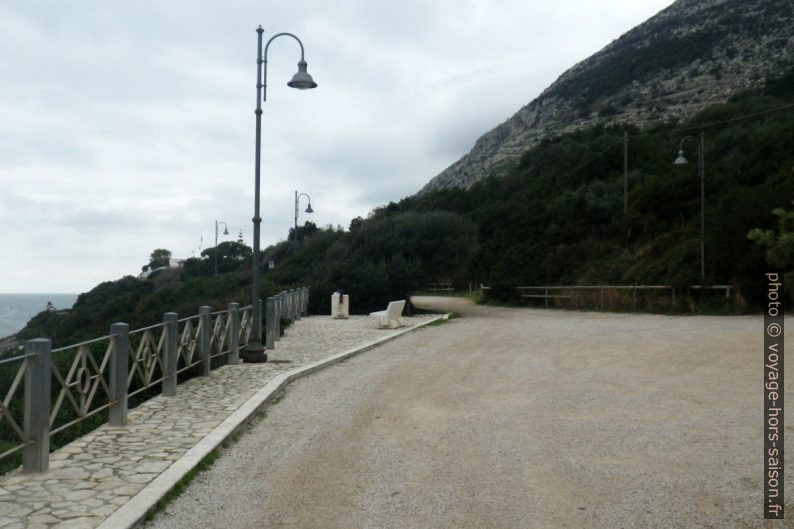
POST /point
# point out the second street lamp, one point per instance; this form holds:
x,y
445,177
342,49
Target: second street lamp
x,y
308,210
681,160
255,351
225,232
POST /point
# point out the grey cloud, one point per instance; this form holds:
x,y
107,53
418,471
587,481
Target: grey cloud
x,y
130,125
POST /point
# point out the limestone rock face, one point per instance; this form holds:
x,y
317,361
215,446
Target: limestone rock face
x,y
693,54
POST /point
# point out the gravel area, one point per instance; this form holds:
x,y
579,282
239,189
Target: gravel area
x,y
509,418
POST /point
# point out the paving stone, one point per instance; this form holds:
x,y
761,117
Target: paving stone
x,y
78,495
86,522
42,519
104,473
68,473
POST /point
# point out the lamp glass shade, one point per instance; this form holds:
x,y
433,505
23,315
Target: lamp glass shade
x,y
225,231
309,209
302,80
681,160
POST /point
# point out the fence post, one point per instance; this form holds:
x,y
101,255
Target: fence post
x,y
279,313
270,323
234,333
546,295
170,348
301,297
119,370
298,303
204,338
36,455
262,315
305,301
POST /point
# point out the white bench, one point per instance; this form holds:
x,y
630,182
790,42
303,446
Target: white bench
x,y
390,318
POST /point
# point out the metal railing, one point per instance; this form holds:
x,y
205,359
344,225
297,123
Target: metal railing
x,y
85,389
547,293
46,391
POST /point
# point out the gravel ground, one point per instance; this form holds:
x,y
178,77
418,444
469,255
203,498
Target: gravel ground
x,y
509,418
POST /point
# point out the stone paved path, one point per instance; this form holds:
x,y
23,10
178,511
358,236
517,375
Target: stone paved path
x,y
92,477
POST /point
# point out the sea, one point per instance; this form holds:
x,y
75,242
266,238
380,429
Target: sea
x,y
17,309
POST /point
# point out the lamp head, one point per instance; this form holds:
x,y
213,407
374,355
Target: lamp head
x,y
302,80
226,231
309,209
681,160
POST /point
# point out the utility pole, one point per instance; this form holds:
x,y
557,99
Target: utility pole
x,y
625,172
701,166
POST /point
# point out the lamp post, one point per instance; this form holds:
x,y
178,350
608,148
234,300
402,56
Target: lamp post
x,y
255,351
308,210
681,160
225,232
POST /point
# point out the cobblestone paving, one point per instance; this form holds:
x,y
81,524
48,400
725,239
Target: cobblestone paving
x,y
93,476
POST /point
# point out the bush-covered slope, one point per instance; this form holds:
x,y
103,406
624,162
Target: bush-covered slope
x,y
690,55
556,218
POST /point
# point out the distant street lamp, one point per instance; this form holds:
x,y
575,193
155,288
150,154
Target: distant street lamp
x,y
255,351
308,210
225,232
681,160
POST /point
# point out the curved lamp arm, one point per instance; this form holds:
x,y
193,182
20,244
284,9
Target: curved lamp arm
x,y
282,34
297,201
263,59
681,159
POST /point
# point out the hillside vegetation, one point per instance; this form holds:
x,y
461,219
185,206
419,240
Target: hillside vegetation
x,y
690,55
556,219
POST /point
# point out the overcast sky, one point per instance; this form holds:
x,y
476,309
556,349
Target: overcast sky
x,y
128,126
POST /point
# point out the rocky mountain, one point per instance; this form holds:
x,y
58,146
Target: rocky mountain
x,y
688,56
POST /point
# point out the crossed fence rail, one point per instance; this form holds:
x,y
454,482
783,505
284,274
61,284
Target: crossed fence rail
x,y
46,391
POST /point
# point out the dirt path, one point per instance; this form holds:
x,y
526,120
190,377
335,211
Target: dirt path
x,y
509,418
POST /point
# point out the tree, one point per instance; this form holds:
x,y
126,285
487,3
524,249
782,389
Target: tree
x,y
159,257
355,224
434,246
228,251
231,255
779,247
304,231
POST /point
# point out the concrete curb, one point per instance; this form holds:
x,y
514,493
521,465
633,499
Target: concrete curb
x,y
132,513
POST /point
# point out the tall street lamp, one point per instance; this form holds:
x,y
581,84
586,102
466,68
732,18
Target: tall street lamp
x,y
308,210
255,351
225,232
681,160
